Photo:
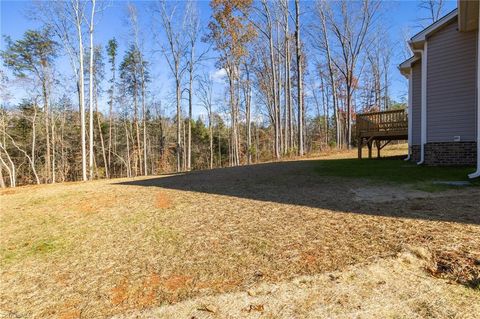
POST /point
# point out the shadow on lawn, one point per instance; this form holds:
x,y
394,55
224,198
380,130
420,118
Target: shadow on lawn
x,y
307,183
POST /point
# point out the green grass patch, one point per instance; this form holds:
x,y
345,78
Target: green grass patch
x,y
396,171
165,235
37,248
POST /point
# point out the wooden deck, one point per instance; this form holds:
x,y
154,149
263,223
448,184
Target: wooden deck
x,y
380,128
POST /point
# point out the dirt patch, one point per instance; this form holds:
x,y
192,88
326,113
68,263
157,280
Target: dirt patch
x,y
175,283
7,192
382,194
119,293
162,201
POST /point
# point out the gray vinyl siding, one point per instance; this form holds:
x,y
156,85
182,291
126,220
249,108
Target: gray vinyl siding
x,y
451,85
416,102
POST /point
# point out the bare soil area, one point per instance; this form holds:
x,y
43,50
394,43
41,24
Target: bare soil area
x,y
104,248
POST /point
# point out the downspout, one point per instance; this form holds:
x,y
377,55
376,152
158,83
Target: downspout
x,y
423,113
477,173
410,96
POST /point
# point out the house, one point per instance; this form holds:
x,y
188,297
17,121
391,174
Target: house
x,y
444,84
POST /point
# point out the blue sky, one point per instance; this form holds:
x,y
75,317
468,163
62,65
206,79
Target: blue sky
x,y
401,17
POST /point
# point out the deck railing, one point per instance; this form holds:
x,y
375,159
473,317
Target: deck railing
x,y
378,122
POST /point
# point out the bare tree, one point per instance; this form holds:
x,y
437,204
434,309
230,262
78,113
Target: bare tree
x,y
322,10
273,69
137,43
350,30
91,28
112,55
31,161
174,53
299,79
10,167
435,9
78,9
230,31
66,19
289,134
205,94
193,31
247,95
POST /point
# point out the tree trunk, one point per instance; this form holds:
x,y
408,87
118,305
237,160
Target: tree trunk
x,y
179,137
99,125
299,79
47,131
128,166
332,79
144,124
190,97
54,158
289,100
249,121
34,142
110,114
273,69
11,170
349,115
2,182
210,128
81,92
90,89
233,108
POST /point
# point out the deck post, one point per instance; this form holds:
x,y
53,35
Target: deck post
x,y
378,144
369,149
360,141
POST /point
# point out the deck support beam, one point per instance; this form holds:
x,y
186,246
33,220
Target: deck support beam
x,y
368,142
359,145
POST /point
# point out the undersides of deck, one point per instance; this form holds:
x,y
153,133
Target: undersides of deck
x,y
379,140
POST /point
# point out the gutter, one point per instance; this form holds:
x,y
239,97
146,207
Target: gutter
x,y
410,96
477,173
423,115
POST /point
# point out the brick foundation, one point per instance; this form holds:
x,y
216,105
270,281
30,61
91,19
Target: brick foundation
x,y
447,153
451,153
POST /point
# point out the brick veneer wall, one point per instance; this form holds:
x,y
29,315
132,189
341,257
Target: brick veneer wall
x,y
450,153
447,153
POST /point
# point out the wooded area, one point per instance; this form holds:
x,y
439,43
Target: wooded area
x,y
297,73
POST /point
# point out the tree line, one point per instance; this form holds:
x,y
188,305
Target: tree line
x,y
295,75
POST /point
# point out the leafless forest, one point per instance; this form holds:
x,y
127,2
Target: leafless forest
x,y
296,73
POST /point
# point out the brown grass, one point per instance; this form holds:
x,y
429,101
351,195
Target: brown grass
x,y
102,248
394,287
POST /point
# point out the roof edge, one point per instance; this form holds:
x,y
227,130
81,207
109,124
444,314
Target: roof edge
x,y
421,36
406,65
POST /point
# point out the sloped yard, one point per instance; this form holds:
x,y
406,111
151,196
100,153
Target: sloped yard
x,y
92,250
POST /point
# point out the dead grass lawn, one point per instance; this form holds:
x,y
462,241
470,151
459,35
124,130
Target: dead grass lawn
x,y
102,248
